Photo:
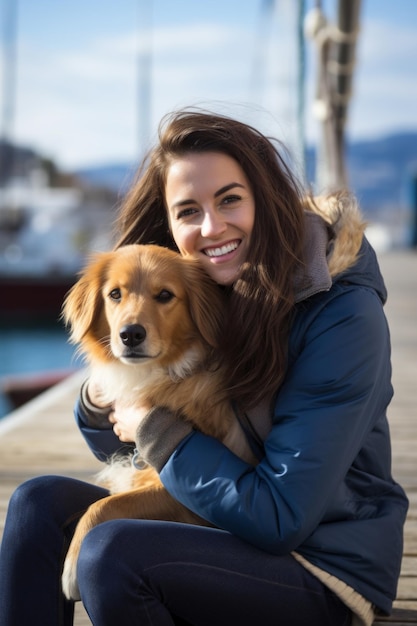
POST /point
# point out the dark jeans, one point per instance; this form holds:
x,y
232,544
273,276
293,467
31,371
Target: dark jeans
x,y
143,573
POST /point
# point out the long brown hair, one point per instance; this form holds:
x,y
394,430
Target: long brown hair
x,y
254,344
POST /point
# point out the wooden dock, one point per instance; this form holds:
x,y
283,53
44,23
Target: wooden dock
x,y
41,437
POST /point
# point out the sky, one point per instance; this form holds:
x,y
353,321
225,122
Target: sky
x,y
78,97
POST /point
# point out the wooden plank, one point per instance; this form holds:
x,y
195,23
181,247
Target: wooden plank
x,y
80,616
399,617
409,566
409,605
407,586
410,539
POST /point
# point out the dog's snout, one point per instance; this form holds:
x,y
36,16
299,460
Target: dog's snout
x,y
132,335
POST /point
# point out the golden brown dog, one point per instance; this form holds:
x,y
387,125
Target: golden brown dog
x,y
147,321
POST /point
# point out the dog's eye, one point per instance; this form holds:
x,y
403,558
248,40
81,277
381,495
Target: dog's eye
x,y
115,294
164,296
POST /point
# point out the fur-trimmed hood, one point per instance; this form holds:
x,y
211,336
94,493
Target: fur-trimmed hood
x,y
335,248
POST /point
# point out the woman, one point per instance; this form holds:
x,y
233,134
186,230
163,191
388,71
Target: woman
x,y
313,533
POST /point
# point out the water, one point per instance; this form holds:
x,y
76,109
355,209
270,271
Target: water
x,y
33,350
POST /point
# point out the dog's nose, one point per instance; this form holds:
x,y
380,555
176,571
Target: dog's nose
x,y
132,335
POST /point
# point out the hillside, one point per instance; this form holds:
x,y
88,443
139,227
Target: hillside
x,y
380,172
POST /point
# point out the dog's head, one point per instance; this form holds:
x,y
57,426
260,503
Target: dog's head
x,y
143,302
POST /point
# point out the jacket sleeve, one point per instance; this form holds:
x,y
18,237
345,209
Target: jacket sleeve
x,y
101,441
337,387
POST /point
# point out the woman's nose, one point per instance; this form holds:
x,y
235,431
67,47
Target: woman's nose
x,y
212,225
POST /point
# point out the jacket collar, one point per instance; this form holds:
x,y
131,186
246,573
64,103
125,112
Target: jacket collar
x,y
315,275
333,244
335,247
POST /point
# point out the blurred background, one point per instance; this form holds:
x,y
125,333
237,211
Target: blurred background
x,y
84,84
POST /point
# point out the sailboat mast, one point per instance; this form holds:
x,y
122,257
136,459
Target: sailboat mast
x,y
336,44
8,89
144,76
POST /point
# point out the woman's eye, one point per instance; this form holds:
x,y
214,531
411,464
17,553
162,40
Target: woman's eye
x,y
231,199
115,294
186,212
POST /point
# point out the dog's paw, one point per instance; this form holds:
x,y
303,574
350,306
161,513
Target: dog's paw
x,y
69,580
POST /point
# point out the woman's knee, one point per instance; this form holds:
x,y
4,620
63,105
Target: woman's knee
x,y
101,548
35,497
33,515
103,553
45,500
111,576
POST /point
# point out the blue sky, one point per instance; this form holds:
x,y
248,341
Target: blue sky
x,y
77,72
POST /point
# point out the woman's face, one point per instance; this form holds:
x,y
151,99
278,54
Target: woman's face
x,y
211,212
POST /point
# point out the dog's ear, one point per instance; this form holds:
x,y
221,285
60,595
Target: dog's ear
x,y
83,303
206,301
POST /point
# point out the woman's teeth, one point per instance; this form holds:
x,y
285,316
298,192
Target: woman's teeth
x,y
222,250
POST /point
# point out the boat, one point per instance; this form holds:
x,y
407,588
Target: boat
x,y
26,298
46,233
21,388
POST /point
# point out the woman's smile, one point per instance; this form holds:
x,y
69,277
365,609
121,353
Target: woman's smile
x,y
223,250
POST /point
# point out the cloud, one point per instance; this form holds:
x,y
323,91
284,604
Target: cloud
x,y
385,85
80,104
91,91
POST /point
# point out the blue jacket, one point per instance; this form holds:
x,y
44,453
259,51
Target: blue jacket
x,y
324,487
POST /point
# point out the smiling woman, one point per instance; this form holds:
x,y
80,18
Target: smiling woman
x,y
302,357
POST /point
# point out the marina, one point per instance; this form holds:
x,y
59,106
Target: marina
x,y
52,217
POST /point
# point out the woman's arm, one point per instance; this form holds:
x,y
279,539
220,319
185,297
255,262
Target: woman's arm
x,y
95,425
334,393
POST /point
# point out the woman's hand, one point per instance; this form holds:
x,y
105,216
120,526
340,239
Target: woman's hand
x,y
156,431
96,395
126,420
95,407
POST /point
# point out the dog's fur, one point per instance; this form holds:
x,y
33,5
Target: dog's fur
x,y
176,309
